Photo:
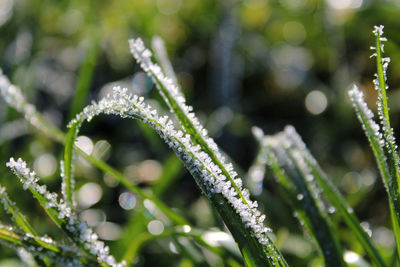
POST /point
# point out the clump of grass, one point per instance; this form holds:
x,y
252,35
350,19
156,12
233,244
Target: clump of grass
x,y
304,183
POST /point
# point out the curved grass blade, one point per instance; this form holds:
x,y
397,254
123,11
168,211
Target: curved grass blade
x,y
296,178
14,97
247,228
198,135
176,101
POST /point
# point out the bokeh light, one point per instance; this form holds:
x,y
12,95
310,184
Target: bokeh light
x,y
155,227
85,144
127,201
89,194
316,102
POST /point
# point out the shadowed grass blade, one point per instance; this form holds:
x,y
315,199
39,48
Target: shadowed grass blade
x,y
292,172
335,198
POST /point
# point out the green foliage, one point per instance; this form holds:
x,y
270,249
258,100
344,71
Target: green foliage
x,y
161,219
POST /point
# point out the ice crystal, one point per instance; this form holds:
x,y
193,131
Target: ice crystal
x,y
197,161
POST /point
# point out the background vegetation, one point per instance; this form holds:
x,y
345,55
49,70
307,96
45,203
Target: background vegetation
x,y
240,63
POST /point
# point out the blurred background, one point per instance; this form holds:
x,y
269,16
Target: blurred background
x,y
240,64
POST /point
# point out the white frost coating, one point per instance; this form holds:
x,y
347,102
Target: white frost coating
x,y
197,161
362,111
383,110
173,96
222,170
79,231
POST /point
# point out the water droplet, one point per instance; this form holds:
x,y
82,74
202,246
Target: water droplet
x,y
187,228
332,210
300,196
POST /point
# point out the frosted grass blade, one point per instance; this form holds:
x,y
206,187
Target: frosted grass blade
x,y
66,166
63,216
14,97
244,221
388,133
335,198
176,101
297,180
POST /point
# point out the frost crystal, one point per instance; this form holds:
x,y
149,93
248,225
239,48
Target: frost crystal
x,y
197,161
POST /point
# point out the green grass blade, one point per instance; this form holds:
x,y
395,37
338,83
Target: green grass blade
x,y
388,133
62,215
336,199
248,233
49,254
16,99
67,179
376,141
198,135
15,213
297,180
19,218
176,101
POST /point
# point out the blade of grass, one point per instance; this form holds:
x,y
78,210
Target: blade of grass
x,y
62,215
234,213
15,98
68,182
20,219
336,199
198,135
296,179
388,133
33,244
371,130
